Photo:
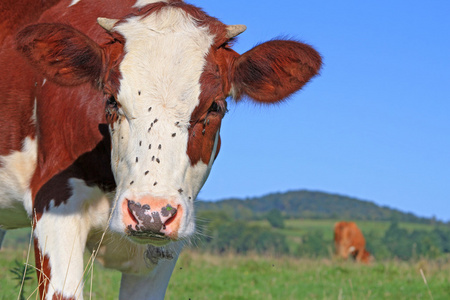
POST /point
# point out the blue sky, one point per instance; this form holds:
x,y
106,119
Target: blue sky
x,y
375,125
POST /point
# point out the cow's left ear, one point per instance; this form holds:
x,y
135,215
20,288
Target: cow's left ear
x,y
274,70
63,54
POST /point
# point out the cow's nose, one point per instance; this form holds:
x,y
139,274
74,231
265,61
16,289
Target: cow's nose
x,y
151,218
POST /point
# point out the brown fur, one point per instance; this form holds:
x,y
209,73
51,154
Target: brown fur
x,y
349,240
17,13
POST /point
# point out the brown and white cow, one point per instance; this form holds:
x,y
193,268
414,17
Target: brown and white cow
x,y
349,240
107,133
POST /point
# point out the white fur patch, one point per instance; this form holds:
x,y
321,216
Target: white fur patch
x,y
15,174
153,283
73,2
62,232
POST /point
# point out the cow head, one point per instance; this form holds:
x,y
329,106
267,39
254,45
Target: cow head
x,y
165,75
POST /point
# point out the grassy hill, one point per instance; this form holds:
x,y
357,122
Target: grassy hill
x,y
308,205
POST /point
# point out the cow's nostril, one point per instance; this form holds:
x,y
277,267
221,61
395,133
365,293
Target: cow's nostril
x,y
130,212
171,219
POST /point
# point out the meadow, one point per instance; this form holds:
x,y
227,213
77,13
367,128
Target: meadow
x,y
204,275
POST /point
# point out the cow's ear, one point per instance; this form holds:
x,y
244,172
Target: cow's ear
x,y
63,54
274,70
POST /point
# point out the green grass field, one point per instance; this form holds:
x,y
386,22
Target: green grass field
x,y
208,276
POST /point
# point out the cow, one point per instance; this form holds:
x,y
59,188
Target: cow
x,y
349,240
111,112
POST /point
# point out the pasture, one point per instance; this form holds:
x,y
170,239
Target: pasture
x,y
200,275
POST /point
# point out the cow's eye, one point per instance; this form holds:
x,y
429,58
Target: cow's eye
x,y
214,107
112,109
111,102
219,106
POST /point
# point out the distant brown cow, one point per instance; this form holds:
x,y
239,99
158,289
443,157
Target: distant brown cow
x,y
348,239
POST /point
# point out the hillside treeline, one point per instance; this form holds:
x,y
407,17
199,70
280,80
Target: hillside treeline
x,y
309,205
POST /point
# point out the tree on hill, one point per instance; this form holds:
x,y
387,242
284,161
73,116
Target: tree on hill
x,y
397,241
275,218
313,245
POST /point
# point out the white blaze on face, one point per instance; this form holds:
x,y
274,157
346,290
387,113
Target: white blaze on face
x,y
164,59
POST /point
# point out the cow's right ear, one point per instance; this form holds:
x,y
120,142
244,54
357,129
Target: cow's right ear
x,y
63,54
274,70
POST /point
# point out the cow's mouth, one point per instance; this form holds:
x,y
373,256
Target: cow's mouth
x,y
146,237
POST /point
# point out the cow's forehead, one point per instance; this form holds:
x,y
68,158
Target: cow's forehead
x,y
164,59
